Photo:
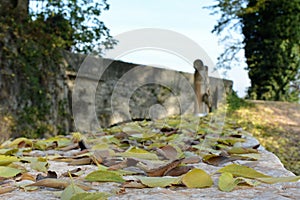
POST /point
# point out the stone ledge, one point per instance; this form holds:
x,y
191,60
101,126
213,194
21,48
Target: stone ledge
x,y
268,164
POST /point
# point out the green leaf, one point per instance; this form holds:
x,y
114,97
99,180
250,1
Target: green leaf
x,y
91,196
272,180
104,176
197,178
39,164
8,151
159,181
8,172
70,191
21,142
226,182
251,156
139,153
6,160
244,171
241,150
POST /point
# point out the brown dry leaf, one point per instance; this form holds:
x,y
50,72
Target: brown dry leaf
x,y
163,170
70,147
178,171
216,160
81,161
73,173
4,190
81,152
191,160
26,176
50,174
112,161
59,184
168,152
120,165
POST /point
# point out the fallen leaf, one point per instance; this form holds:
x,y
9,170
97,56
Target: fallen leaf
x,y
91,196
138,153
118,166
179,170
8,172
243,171
241,150
39,164
70,191
26,176
133,184
191,160
159,181
249,156
6,160
169,152
272,180
197,178
8,189
86,160
163,170
59,184
21,143
8,152
230,140
216,160
104,176
226,182
70,147
74,173
50,174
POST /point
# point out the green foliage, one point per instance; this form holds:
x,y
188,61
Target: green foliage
x,y
235,103
76,24
31,53
271,42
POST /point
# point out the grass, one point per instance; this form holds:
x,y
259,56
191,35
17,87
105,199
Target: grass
x,y
275,124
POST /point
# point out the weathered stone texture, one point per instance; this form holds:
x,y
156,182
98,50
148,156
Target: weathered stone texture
x,y
126,91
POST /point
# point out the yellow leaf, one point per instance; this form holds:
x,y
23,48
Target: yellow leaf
x,y
8,172
159,181
139,153
226,182
6,160
244,171
197,178
272,180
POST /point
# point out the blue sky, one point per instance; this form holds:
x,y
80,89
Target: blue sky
x,y
186,17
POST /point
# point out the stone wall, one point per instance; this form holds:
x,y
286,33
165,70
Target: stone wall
x,y
107,92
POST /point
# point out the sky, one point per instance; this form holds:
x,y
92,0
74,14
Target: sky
x,y
188,18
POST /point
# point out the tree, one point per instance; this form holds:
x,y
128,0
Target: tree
x,y
31,44
271,42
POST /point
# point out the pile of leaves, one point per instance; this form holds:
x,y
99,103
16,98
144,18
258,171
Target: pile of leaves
x,y
162,153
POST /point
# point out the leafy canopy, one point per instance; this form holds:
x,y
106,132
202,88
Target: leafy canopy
x,y
271,43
